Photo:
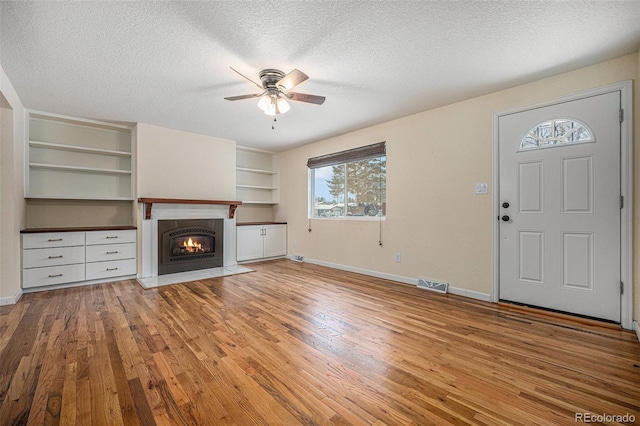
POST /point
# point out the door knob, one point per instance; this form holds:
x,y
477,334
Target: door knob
x,y
505,218
505,205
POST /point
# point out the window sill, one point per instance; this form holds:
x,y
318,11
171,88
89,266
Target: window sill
x,y
356,218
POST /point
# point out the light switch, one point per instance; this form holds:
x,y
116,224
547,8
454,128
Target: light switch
x,y
482,188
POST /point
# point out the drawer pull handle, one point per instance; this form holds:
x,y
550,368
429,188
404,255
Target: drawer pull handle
x,y
112,269
55,275
54,239
111,236
112,252
55,257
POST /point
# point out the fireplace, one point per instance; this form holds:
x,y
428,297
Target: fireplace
x,y
189,244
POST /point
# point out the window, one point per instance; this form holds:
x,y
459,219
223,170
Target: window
x,y
556,132
349,183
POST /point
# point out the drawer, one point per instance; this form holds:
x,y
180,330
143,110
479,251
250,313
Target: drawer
x,y
52,239
37,258
39,277
111,237
115,268
105,252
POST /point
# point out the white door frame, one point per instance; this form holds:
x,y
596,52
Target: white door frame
x,y
626,179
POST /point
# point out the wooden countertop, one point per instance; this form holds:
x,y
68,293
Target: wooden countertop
x,y
77,229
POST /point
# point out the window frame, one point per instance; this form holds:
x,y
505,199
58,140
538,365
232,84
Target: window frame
x,y
344,158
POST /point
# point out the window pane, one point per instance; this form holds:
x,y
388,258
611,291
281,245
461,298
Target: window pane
x,y
328,191
366,186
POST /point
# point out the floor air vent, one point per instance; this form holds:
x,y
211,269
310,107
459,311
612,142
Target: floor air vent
x,y
433,285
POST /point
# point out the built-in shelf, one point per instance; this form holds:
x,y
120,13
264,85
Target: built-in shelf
x,y
73,148
71,158
264,172
79,169
256,187
256,176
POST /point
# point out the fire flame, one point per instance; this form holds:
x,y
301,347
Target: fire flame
x,y
192,247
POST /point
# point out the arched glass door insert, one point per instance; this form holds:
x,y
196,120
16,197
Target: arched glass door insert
x,y
556,132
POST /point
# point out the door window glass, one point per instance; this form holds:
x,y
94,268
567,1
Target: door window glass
x,y
556,132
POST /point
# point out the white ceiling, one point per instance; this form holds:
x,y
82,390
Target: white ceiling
x,y
167,63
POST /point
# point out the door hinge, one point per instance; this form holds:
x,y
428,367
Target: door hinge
x,y
621,287
621,201
621,115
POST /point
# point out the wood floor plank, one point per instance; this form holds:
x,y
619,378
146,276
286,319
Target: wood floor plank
x,y
295,343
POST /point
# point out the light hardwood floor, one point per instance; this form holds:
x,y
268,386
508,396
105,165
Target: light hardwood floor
x,y
294,343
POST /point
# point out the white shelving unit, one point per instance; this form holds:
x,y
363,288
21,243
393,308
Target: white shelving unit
x,y
73,158
257,179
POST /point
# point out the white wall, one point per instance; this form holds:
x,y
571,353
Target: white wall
x,y
434,159
12,206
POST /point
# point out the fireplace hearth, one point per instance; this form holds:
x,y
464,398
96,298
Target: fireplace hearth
x,y
189,244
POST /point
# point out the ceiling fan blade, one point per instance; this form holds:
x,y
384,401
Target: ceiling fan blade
x,y
291,80
247,78
241,97
303,97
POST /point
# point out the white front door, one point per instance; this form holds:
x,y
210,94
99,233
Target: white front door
x,y
560,207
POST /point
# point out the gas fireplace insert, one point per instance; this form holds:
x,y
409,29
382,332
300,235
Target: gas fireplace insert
x,y
189,244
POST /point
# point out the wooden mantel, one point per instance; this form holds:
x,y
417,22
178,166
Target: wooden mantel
x,y
149,202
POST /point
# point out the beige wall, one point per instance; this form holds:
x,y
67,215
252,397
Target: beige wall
x,y
12,210
254,213
434,159
176,164
43,213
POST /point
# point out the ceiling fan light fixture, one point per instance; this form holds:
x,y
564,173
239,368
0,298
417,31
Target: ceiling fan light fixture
x,y
264,102
277,105
272,109
273,100
283,105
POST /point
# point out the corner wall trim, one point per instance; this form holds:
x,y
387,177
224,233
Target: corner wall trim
x,y
11,300
636,328
398,278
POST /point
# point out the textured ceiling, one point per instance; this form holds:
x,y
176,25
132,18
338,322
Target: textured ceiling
x,y
167,63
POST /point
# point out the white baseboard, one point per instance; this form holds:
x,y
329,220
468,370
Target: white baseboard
x,y
636,327
11,300
470,293
413,281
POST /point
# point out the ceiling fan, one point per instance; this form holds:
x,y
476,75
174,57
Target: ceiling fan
x,y
275,91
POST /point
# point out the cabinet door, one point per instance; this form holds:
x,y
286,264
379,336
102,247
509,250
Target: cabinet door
x,y
250,242
275,240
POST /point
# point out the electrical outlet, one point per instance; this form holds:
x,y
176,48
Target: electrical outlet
x,y
397,257
295,243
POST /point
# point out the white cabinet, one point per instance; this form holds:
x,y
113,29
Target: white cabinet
x,y
256,176
55,258
259,241
72,158
110,254
52,258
